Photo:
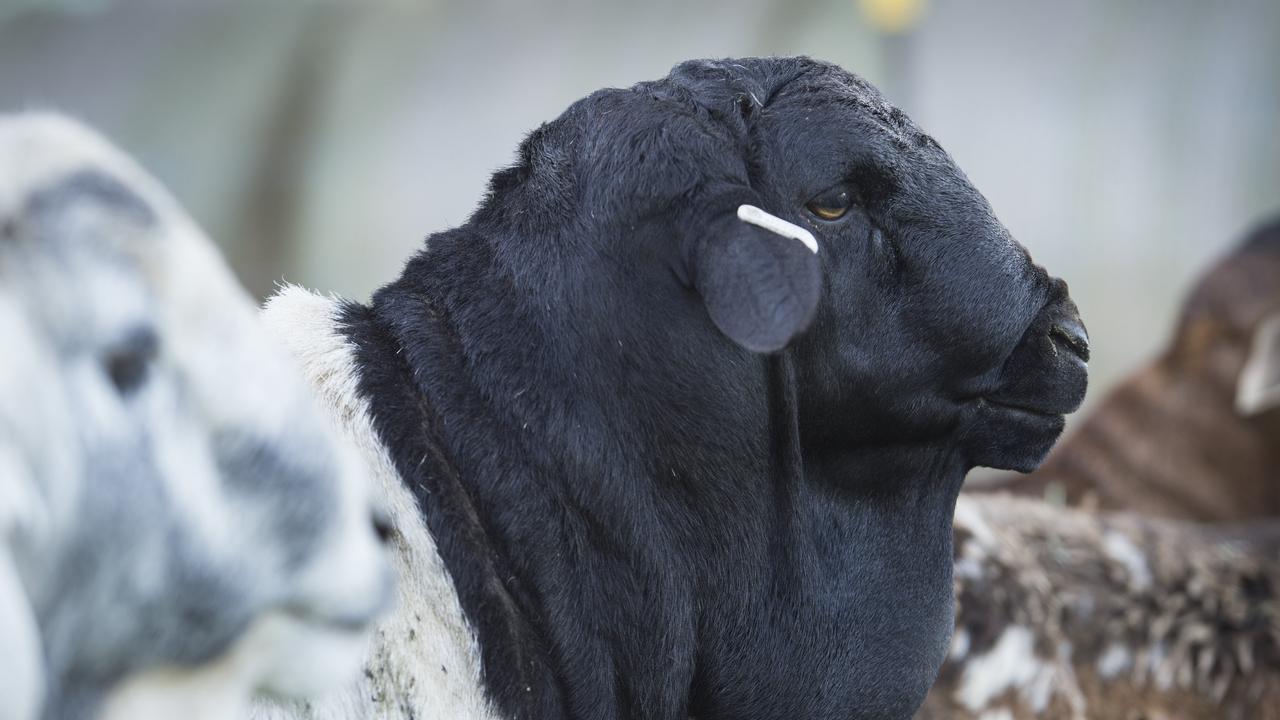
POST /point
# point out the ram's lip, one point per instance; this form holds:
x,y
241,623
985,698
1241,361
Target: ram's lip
x,y
353,623
346,621
1023,407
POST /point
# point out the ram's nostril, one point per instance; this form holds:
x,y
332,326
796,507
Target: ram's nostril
x,y
1071,333
383,528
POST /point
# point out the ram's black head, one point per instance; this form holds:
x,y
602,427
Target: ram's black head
x,y
917,318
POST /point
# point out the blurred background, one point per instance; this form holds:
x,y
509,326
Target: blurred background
x,y
1125,142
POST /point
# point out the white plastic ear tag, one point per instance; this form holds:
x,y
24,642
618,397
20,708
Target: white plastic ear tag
x,y
1258,388
774,224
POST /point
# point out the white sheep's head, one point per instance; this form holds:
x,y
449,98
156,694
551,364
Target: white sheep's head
x,y
176,515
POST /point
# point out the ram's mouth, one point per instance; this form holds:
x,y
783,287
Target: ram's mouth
x,y
1022,408
1046,373
353,623
1011,435
1016,418
348,620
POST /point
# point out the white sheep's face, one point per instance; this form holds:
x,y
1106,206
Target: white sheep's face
x,y
178,515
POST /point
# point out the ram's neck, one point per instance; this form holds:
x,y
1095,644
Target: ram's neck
x,y
847,559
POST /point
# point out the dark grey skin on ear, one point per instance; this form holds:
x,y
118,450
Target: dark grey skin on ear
x,y
761,289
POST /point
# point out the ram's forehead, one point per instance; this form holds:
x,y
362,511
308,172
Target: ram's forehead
x,y
40,151
54,168
65,254
64,194
834,105
89,185
822,93
66,191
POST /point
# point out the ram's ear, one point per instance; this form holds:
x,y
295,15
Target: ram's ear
x,y
1258,389
760,278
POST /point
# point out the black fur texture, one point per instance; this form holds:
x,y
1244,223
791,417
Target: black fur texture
x,y
647,513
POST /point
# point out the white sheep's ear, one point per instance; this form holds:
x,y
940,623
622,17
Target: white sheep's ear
x,y
1258,389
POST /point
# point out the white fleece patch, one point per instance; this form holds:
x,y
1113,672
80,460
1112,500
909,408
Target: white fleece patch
x,y
968,516
973,551
1010,665
424,660
1122,550
1258,388
959,645
1115,660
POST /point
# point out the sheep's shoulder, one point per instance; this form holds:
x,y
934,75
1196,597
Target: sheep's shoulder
x,y
424,661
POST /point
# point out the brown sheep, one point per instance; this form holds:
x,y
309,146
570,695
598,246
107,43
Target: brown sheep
x,y
1195,434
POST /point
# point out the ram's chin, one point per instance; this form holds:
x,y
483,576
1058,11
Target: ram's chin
x,y
312,658
1010,438
281,656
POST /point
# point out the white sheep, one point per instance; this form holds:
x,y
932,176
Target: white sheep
x,y
179,526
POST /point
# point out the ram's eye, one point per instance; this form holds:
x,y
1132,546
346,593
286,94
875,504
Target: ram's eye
x,y
831,205
129,362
